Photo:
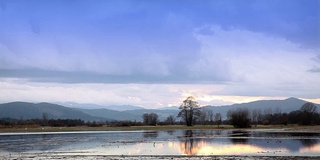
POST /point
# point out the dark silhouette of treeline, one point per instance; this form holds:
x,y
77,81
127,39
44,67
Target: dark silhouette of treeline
x,y
243,118
239,118
10,122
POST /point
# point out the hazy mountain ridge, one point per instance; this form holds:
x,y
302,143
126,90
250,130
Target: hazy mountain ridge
x,y
285,106
27,110
95,106
110,114
132,115
170,108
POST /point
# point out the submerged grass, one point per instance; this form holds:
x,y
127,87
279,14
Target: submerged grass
x,y
26,129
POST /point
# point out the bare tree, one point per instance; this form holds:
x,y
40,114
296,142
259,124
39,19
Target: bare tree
x,y
206,116
229,115
145,118
239,118
217,119
150,119
260,116
189,110
203,116
267,115
308,113
254,117
45,119
210,115
153,118
171,119
309,108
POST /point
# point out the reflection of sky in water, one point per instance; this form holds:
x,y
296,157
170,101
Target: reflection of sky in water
x,y
179,142
312,149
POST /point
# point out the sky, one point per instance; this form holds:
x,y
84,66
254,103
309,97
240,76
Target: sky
x,y
154,54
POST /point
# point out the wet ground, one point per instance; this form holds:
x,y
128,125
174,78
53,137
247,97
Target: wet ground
x,y
156,144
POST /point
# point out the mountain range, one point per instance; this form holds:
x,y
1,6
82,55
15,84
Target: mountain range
x,y
95,106
25,110
86,112
284,106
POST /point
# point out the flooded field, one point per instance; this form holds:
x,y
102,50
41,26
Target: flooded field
x,y
173,142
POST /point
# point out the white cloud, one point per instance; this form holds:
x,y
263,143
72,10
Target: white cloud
x,y
258,64
232,66
146,95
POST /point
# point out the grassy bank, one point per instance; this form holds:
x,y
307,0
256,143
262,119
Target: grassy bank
x,y
133,128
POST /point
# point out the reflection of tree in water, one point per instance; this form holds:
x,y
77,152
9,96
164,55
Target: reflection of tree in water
x,y
239,137
306,139
189,144
151,134
218,132
171,132
309,142
188,133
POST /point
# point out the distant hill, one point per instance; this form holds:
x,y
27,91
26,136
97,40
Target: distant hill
x,y
133,115
284,106
169,108
26,110
95,106
111,114
35,110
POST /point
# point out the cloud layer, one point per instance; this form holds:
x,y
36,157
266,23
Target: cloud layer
x,y
217,50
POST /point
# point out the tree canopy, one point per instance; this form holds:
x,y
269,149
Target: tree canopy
x,y
308,114
189,110
239,118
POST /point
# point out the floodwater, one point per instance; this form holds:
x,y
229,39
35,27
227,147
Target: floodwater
x,y
173,142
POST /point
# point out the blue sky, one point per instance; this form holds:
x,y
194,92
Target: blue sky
x,y
156,53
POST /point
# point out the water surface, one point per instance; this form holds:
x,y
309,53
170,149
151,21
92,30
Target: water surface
x,y
173,142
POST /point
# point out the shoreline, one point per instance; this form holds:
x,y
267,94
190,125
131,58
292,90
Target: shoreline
x,y
45,129
153,157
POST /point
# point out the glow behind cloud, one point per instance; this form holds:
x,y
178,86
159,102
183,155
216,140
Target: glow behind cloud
x,y
155,54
